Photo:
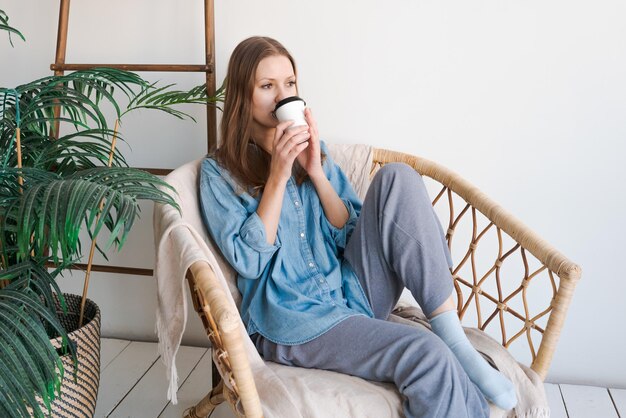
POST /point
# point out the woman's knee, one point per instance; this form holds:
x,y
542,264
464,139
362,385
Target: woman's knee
x,y
398,169
401,181
400,173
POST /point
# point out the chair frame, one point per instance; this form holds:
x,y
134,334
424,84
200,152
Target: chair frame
x,y
232,377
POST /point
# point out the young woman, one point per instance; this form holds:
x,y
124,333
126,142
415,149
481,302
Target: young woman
x,y
319,270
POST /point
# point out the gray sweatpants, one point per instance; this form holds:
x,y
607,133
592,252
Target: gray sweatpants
x,y
398,242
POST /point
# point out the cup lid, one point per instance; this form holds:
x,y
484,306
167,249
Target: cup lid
x,y
288,100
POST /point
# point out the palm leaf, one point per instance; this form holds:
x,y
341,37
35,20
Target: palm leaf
x,y
29,364
22,368
164,98
72,152
28,330
52,209
19,396
4,25
78,96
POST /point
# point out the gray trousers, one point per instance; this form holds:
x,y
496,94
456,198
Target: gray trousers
x,y
398,242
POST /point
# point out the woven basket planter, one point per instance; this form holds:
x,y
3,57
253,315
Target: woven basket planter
x,y
78,397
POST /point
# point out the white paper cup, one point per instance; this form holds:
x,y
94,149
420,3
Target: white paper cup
x,y
291,108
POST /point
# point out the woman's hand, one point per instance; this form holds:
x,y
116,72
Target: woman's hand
x,y
310,159
287,145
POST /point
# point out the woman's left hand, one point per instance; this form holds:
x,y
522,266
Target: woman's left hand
x,y
309,159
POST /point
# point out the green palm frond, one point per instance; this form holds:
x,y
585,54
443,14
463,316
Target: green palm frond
x,y
164,98
31,274
29,364
72,152
51,209
68,154
4,25
78,95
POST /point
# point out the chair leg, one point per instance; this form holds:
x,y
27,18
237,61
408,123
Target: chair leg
x,y
207,404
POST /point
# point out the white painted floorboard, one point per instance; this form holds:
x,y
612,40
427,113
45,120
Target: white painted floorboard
x,y
109,349
588,402
122,374
194,388
148,397
555,400
619,399
133,384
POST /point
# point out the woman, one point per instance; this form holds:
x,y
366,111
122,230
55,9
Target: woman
x,y
319,270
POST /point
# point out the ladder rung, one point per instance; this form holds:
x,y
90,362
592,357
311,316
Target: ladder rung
x,y
136,67
156,171
108,269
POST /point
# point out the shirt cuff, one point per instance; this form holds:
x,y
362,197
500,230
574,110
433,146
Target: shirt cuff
x,y
253,234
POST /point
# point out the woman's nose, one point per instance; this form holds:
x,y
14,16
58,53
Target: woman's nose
x,y
281,93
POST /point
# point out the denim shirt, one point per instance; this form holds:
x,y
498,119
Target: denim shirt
x,y
299,287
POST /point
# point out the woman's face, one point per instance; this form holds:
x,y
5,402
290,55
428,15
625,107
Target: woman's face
x,y
274,80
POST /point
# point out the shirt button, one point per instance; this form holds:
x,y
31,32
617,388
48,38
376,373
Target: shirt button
x,y
302,234
297,203
321,280
311,265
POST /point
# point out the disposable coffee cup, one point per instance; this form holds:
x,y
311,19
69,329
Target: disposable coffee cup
x,y
291,108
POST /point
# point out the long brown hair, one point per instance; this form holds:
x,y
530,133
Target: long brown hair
x,y
238,153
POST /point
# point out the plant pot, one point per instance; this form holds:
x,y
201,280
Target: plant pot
x,y
78,397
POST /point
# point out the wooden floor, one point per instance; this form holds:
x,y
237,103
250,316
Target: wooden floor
x,y
132,384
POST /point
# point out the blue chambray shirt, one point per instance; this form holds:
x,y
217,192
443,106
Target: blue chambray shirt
x,y
298,288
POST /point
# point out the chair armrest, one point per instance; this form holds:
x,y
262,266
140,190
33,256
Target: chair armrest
x,y
226,336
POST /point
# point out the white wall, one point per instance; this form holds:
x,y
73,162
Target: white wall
x,y
525,99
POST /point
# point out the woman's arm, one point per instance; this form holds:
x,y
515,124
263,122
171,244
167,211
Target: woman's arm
x,y
270,207
334,208
238,234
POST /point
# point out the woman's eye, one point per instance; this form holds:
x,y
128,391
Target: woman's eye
x,y
291,83
266,86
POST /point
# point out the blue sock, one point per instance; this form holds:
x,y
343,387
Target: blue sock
x,y
493,384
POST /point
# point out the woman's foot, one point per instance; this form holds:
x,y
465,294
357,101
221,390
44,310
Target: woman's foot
x,y
493,384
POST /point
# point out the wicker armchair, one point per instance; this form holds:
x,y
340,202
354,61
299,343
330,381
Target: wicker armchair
x,y
523,307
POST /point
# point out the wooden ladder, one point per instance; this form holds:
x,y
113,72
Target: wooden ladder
x,y
60,66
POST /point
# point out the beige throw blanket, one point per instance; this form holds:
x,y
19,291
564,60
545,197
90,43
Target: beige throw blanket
x,y
289,392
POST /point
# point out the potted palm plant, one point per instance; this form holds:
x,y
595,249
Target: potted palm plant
x,y
61,173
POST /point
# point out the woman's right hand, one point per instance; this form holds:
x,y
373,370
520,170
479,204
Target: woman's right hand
x,y
288,143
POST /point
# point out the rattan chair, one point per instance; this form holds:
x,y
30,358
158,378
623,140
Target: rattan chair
x,y
491,296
